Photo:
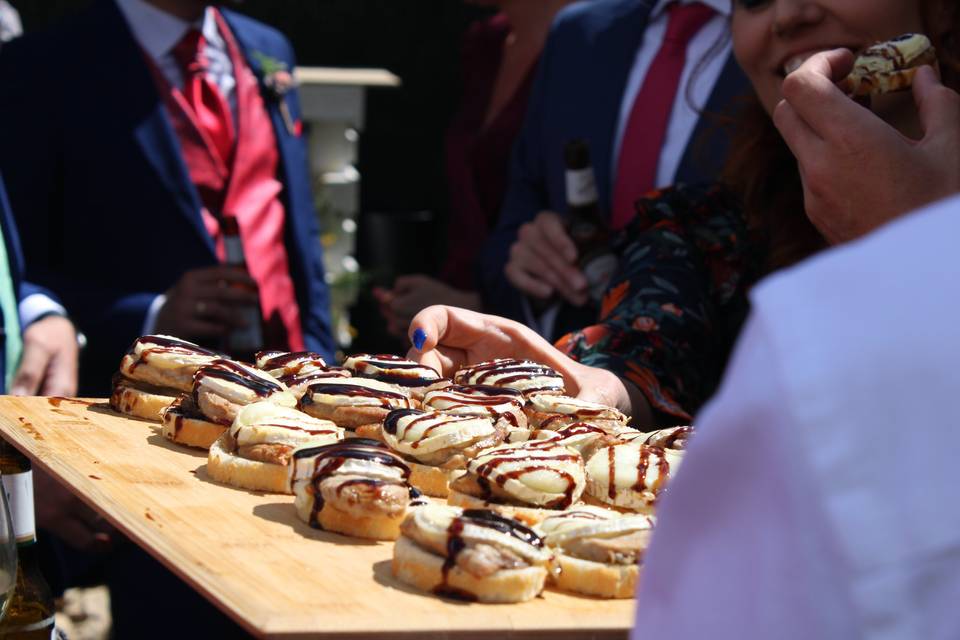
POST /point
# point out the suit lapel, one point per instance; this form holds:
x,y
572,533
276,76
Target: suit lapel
x,y
613,59
141,112
252,53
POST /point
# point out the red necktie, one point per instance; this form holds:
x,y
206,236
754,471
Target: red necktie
x,y
209,106
645,131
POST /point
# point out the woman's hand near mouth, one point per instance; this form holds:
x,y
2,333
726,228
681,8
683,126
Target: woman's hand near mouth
x,y
858,171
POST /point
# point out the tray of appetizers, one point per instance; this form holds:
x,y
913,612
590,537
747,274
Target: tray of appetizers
x,y
374,499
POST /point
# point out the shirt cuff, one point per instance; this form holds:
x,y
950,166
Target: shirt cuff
x,y
36,305
150,322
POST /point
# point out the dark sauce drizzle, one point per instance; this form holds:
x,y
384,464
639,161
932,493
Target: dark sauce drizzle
x,y
237,374
455,544
330,457
489,468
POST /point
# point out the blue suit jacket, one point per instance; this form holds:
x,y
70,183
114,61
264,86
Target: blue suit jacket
x,y
577,93
108,215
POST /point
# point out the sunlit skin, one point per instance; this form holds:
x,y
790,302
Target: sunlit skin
x,y
766,35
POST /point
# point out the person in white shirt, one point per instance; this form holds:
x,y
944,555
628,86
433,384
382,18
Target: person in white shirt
x,y
818,498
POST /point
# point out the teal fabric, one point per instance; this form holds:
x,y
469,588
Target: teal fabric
x,y
11,314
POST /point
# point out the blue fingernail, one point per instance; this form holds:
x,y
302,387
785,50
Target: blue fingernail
x,y
419,337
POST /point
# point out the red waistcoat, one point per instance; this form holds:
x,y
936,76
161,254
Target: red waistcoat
x,y
248,189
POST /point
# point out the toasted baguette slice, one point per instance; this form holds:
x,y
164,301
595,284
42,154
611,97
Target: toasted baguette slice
x,y
528,515
139,403
596,578
330,518
183,427
433,481
423,570
226,467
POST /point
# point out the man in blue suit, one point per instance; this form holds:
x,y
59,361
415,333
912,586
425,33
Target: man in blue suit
x,y
629,77
38,344
130,134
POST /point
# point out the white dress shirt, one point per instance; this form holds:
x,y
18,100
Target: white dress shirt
x,y
700,75
702,69
819,498
158,32
10,25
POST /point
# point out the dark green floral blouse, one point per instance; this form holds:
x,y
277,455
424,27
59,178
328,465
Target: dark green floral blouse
x,y
674,308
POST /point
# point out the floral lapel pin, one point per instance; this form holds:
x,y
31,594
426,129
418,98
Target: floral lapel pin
x,y
277,80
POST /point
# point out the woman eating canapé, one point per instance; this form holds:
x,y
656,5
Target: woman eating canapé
x,y
813,166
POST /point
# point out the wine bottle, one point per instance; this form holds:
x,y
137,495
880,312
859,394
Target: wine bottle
x,y
586,223
30,614
244,341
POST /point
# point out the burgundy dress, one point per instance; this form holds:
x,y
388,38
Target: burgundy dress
x,y
478,156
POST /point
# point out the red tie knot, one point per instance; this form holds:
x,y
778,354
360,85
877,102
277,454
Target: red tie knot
x,y
189,52
685,21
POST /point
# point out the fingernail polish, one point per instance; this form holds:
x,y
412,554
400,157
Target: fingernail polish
x,y
419,337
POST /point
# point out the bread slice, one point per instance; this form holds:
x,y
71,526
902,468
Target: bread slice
x,y
424,570
225,466
596,578
139,403
529,516
329,518
183,426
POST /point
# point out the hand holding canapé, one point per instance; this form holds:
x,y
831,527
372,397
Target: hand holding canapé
x,y
859,171
448,339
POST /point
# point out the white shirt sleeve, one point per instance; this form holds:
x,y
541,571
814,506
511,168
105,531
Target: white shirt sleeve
x,y
36,305
742,549
150,322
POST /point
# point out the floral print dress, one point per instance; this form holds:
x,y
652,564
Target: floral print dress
x,y
674,308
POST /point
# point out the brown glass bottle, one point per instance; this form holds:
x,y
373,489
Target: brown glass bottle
x,y
244,341
586,223
30,614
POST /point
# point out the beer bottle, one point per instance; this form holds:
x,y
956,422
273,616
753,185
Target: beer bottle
x,y
30,614
586,223
244,341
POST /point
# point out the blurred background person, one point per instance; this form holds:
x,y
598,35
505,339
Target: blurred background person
x,y
498,63
638,81
197,122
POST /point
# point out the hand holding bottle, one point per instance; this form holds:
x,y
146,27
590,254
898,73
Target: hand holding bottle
x,y
204,302
543,261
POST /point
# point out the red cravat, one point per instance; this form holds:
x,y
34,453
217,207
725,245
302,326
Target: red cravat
x,y
210,109
645,131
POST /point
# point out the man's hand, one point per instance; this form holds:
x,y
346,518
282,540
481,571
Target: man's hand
x,y
859,172
49,363
412,293
204,301
447,338
543,261
64,514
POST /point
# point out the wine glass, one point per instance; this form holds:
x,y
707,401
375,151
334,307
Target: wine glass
x,y
8,554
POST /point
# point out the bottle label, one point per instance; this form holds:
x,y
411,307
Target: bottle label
x,y
19,490
581,187
249,337
598,271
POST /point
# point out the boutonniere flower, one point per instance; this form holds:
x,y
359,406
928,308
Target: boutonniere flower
x,y
277,80
275,75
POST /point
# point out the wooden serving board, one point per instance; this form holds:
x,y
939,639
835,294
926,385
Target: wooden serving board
x,y
247,551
